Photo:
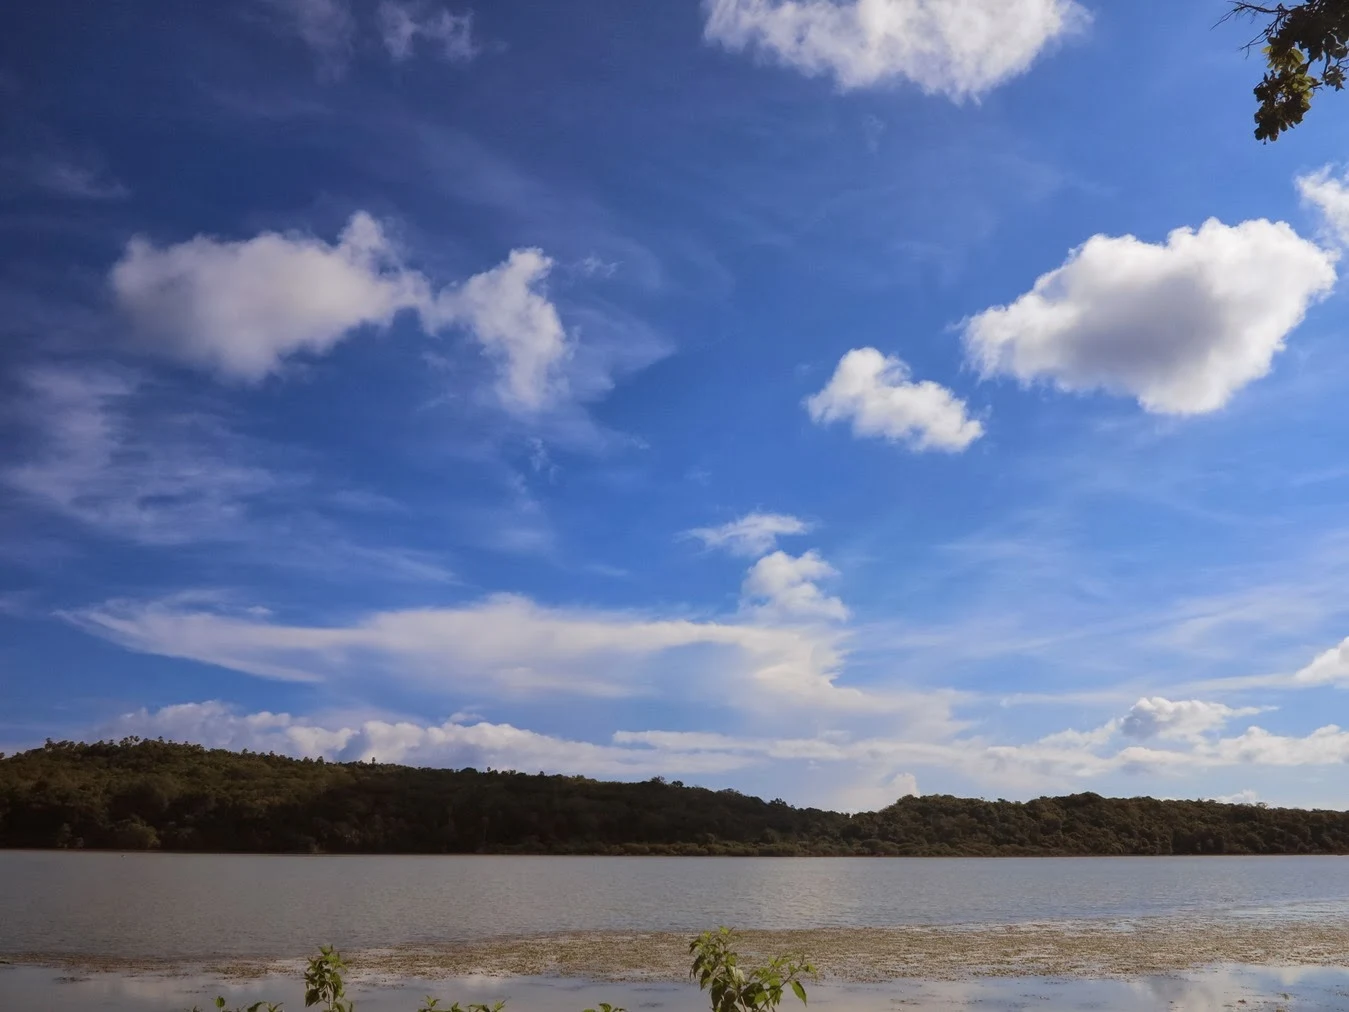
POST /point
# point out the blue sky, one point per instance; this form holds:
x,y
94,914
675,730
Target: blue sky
x,y
829,400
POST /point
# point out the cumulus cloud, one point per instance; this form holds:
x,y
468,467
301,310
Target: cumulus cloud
x,y
400,25
1180,325
958,48
241,307
1185,719
508,646
517,327
874,393
1329,196
753,534
780,586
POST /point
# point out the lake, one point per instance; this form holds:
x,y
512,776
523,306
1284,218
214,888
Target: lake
x,y
199,908
198,905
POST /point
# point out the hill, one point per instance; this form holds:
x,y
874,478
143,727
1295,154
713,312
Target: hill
x,y
141,795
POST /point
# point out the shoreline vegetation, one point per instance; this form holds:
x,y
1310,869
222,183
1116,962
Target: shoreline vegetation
x,y
731,984
1071,950
154,795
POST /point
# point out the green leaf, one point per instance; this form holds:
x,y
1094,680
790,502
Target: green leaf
x,y
799,990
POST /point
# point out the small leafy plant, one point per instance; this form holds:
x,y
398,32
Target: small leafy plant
x,y
323,983
732,987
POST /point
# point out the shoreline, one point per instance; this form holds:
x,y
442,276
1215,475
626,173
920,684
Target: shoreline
x,y
735,856
1071,950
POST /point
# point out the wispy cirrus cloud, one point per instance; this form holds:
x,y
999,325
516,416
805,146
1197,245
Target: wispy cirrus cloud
x,y
102,450
333,30
403,23
327,27
755,533
94,463
507,645
63,175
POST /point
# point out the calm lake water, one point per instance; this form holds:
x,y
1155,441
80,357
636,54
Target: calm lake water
x,y
197,906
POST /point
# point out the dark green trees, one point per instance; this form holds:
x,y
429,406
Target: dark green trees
x,y
147,795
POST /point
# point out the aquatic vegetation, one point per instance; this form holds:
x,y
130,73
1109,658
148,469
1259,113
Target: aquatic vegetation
x,y
717,967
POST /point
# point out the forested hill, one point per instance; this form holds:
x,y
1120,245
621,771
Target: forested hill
x,y
141,795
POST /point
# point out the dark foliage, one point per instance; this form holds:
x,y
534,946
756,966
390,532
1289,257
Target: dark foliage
x,y
1306,46
144,795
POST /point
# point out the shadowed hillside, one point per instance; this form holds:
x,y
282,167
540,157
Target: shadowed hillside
x,y
142,795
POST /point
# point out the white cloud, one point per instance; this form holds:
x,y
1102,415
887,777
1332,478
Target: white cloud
x,y
401,23
753,534
242,307
1053,763
1084,739
1186,719
1244,797
863,773
782,587
1331,667
1330,197
517,327
958,48
874,392
869,797
452,744
1324,746
509,646
1180,325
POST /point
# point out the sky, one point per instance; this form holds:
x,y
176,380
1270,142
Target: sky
x,y
831,400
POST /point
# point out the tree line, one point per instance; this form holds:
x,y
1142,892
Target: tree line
x,y
139,794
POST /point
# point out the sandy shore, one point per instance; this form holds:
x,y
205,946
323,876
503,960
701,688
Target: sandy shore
x,y
1086,949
